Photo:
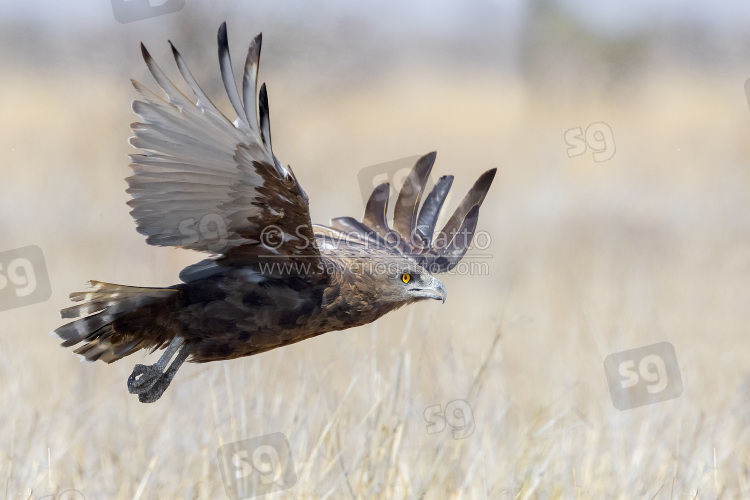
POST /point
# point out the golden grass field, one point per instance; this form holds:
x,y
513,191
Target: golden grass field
x,y
587,259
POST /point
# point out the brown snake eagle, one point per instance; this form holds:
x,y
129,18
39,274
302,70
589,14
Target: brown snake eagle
x,y
261,289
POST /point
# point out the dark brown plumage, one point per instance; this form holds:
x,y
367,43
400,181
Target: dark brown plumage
x,y
205,183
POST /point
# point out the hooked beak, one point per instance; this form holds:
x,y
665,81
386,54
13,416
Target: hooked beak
x,y
435,290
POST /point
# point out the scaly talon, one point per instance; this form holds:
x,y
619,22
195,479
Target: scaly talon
x,y
150,382
155,391
143,378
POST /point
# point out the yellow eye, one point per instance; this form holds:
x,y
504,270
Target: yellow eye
x,y
406,277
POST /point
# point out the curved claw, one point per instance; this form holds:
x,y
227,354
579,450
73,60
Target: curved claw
x,y
150,382
155,391
143,378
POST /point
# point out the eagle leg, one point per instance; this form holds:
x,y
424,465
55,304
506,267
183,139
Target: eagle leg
x,y
156,390
145,377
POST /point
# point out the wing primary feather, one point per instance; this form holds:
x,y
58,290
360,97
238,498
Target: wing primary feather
x,y
428,214
376,209
474,197
350,225
204,102
407,203
250,82
227,76
174,96
265,122
450,255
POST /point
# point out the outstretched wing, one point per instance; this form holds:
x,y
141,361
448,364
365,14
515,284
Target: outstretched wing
x,y
413,232
206,183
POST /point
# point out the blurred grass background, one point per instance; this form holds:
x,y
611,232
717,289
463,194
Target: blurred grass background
x,y
588,258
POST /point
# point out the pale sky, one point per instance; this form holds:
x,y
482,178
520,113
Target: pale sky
x,y
608,17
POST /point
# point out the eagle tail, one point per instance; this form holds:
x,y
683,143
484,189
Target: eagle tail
x,y
117,320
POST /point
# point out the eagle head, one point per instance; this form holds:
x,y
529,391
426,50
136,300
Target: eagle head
x,y
387,282
415,283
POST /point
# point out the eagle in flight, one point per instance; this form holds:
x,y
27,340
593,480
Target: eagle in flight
x,y
206,183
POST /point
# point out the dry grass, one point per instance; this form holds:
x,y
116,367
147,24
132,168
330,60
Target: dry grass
x,y
588,259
